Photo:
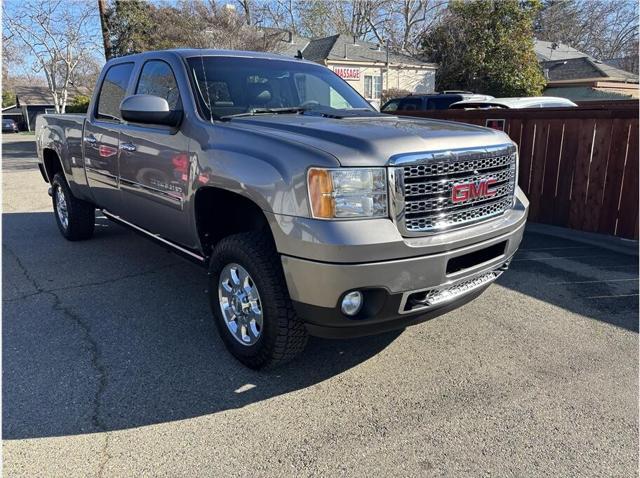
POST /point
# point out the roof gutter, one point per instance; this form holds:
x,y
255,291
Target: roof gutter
x,y
596,82
422,66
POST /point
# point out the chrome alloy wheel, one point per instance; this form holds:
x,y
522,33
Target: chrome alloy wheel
x,y
240,304
61,207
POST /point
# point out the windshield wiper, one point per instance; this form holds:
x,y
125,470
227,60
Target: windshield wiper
x,y
264,111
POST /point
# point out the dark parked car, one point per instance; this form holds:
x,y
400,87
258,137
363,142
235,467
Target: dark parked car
x,y
9,126
437,101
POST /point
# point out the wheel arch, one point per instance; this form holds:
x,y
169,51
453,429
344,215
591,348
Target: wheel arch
x,y
52,164
220,213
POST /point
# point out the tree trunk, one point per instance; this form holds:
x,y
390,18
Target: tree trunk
x,y
106,33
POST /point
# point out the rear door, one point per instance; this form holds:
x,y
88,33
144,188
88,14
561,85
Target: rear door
x,y
442,103
101,138
154,162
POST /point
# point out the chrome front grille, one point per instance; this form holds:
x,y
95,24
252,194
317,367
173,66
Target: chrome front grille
x,y
445,167
422,187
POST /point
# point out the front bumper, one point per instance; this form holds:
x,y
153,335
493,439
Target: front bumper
x,y
396,293
317,286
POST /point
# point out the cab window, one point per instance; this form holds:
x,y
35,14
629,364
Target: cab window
x,y
113,91
157,79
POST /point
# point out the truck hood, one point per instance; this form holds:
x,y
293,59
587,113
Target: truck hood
x,y
371,141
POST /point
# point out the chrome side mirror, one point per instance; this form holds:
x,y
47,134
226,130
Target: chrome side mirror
x,y
149,109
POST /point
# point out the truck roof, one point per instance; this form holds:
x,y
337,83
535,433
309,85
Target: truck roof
x,y
191,52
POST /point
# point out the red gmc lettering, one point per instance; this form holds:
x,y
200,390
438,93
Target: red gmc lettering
x,y
467,191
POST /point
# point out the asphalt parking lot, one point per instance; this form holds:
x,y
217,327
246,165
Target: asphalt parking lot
x,y
112,367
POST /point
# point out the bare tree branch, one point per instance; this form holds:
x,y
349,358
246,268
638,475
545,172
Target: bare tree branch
x,y
58,36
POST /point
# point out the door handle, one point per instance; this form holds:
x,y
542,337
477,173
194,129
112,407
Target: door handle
x,y
129,147
91,140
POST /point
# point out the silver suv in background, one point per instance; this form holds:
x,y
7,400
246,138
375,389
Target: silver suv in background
x,y
514,103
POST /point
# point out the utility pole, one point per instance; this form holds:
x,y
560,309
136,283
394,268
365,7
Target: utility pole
x,y
106,34
246,6
387,62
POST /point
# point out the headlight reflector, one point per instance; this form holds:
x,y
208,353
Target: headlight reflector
x,y
348,192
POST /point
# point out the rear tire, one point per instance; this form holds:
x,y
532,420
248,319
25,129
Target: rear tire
x,y
273,336
75,218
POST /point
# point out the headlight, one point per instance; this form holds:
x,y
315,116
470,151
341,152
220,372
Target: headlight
x,y
347,192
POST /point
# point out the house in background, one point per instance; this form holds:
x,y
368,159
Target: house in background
x,y
368,67
575,75
32,101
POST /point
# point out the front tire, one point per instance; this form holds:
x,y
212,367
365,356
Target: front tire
x,y
75,218
250,302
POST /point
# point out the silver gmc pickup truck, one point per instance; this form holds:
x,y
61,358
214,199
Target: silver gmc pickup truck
x,y
313,213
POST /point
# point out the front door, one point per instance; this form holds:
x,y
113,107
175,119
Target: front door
x,y
154,163
102,136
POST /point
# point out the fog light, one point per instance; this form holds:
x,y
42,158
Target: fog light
x,y
351,303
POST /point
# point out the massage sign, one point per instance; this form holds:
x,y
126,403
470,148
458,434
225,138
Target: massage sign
x,y
349,74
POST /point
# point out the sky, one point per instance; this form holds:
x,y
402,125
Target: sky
x,y
12,8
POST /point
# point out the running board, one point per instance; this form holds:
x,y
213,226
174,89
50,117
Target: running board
x,y
181,251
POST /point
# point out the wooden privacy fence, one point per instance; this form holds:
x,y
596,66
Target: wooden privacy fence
x,y
578,166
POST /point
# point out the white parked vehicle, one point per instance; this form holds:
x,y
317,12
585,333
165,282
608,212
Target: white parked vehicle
x,y
514,103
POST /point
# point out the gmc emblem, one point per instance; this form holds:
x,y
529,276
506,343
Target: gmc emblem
x,y
474,190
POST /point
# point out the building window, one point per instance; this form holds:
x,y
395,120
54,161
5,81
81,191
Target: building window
x,y
372,87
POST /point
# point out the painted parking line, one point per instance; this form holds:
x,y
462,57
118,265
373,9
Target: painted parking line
x,y
593,281
555,258
611,296
556,248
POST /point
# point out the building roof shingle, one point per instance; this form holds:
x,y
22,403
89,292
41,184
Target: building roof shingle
x,y
343,47
546,51
40,95
563,63
584,68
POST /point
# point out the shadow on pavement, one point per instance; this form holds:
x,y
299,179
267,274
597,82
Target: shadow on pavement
x,y
19,153
115,333
588,280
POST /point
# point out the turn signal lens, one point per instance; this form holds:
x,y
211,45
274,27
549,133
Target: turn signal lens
x,y
320,189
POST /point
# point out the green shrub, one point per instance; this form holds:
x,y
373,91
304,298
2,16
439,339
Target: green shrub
x,y
79,104
486,47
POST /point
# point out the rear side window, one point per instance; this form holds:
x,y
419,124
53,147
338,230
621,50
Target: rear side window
x,y
391,105
442,103
410,104
113,90
157,79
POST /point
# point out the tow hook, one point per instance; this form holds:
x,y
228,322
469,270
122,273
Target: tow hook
x,y
50,192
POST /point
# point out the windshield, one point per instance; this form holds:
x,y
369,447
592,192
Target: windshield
x,y
228,86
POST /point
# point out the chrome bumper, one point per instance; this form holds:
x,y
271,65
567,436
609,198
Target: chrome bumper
x,y
422,300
